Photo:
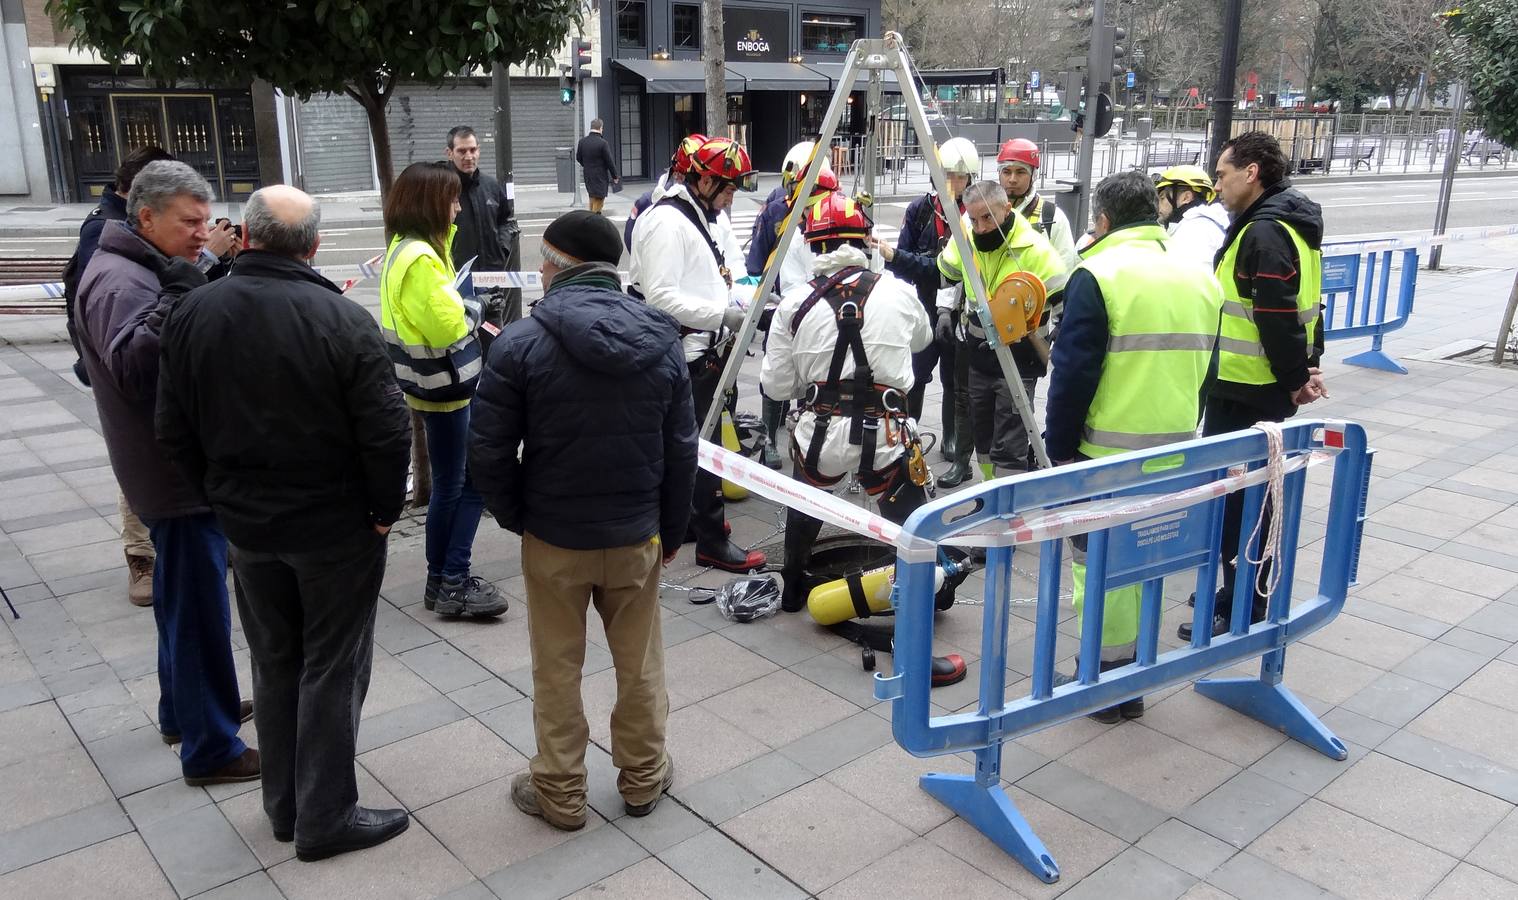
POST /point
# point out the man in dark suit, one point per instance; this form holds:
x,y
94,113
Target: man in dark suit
x,y
594,156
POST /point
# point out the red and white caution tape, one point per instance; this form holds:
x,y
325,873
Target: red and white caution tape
x,y
1065,521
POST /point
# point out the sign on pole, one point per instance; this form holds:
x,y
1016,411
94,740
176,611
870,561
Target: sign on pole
x,y
1130,79
1034,80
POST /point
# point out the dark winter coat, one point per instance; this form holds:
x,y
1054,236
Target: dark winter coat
x,y
1267,271
582,431
594,156
766,233
123,297
923,232
277,395
485,224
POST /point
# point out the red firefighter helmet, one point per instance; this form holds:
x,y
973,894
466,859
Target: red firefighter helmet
x,y
687,148
835,217
1018,150
726,159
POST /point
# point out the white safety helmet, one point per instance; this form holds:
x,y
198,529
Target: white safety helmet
x,y
795,163
959,157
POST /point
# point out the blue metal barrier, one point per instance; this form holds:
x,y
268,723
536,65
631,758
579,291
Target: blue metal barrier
x,y
1355,297
1182,542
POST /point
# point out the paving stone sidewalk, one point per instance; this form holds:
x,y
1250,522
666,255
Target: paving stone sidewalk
x,y
790,784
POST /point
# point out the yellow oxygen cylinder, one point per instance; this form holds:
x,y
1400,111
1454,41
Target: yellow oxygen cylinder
x,y
833,601
731,491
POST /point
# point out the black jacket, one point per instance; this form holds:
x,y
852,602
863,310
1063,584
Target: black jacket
x,y
594,155
924,231
1267,271
582,431
485,224
275,392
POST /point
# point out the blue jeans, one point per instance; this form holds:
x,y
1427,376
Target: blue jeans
x,y
197,682
453,516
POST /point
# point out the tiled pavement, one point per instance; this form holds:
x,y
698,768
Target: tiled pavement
x,y
789,782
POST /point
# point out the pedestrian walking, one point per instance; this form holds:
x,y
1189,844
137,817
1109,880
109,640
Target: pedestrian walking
x,y
487,227
142,266
430,331
1136,347
1271,271
584,443
598,166
304,464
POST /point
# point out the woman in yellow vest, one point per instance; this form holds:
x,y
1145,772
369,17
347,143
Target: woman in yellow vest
x,y
429,330
1135,351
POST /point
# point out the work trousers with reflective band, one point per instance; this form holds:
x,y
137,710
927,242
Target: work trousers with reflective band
x,y
623,584
1120,608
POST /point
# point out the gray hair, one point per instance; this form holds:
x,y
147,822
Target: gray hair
x,y
1125,198
270,233
990,193
160,182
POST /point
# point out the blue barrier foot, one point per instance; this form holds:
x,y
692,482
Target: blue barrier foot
x,y
1375,359
991,811
1277,707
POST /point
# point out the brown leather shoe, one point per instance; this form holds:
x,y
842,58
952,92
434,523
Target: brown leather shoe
x,y
243,768
244,712
140,580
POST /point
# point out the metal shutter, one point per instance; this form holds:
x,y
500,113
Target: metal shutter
x,y
334,145
420,116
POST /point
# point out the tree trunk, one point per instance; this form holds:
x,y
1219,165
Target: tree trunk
x,y
1506,334
714,53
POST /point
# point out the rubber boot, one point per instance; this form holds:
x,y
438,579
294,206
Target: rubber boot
x,y
773,414
801,532
956,475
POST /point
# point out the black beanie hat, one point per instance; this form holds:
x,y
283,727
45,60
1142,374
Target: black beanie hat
x,y
585,236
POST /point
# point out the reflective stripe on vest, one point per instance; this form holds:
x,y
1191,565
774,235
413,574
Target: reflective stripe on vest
x,y
1242,359
1162,325
436,374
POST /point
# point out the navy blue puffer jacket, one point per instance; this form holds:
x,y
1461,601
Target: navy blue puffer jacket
x,y
582,430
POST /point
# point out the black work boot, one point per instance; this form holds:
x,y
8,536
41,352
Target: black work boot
x,y
1131,709
801,533
958,473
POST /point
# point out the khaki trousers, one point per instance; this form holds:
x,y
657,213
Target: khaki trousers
x,y
623,583
134,534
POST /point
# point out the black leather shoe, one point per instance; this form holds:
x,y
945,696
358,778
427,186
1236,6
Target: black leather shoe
x,y
370,828
731,558
1219,627
1132,709
957,475
1109,716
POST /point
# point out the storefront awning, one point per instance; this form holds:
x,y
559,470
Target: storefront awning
x,y
834,73
960,76
778,76
677,76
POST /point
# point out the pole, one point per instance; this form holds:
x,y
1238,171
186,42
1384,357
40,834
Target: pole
x,y
1228,73
500,81
574,138
1447,182
1088,138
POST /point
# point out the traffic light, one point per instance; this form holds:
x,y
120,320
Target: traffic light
x,y
1112,52
580,59
566,87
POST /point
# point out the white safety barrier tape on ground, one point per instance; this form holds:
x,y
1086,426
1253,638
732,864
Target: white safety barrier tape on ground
x,y
1426,240
1065,521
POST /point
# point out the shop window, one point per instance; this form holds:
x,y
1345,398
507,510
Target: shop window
x,y
829,32
685,31
630,132
632,23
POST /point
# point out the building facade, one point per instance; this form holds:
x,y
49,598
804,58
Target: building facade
x,y
783,62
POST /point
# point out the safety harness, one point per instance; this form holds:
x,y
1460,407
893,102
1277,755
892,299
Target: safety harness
x,y
1044,224
859,399
710,355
